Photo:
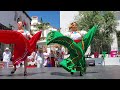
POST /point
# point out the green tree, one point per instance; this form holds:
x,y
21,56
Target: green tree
x,y
107,25
43,25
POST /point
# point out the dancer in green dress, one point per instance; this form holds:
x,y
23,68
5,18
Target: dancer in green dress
x,y
77,43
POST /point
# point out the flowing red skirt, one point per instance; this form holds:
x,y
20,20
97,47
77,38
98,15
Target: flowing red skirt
x,y
22,46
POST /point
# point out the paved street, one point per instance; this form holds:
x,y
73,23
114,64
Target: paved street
x,y
97,72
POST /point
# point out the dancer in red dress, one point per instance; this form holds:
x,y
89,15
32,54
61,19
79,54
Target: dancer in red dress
x,y
22,46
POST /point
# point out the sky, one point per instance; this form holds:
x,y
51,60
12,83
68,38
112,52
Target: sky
x,y
53,17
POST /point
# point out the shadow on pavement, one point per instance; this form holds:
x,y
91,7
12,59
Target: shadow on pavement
x,y
69,75
22,74
91,72
65,74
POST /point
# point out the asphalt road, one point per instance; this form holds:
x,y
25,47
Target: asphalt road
x,y
95,72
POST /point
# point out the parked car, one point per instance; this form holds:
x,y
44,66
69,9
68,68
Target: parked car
x,y
90,62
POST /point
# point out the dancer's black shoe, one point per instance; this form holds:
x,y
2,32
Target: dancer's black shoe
x,y
25,73
13,71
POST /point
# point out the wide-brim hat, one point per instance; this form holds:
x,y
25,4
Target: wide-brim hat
x,y
6,48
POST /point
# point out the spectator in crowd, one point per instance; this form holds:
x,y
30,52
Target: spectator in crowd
x,y
39,58
60,57
52,58
6,57
46,55
32,57
57,59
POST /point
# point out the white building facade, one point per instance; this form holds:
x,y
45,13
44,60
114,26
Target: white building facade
x,y
115,43
10,18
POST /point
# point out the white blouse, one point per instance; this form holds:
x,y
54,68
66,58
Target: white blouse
x,y
26,34
76,35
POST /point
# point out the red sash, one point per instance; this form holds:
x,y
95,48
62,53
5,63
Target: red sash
x,y
77,41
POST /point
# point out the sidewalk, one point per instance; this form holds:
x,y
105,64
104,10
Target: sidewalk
x,y
11,65
2,65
